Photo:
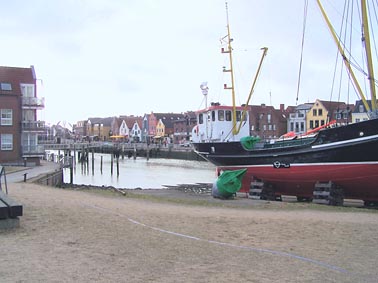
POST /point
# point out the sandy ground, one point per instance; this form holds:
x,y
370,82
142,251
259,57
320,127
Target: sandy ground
x,y
81,236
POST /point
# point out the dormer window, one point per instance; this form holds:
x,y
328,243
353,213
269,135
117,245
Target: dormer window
x,y
361,108
6,86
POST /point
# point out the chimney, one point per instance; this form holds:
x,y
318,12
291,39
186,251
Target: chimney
x,y
282,107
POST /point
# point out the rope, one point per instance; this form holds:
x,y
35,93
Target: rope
x,y
302,47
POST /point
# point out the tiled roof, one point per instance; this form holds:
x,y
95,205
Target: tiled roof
x,y
15,76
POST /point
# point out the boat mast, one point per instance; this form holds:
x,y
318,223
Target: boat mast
x,y
229,51
345,60
366,39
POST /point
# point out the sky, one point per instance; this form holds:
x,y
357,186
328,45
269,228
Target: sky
x,y
104,58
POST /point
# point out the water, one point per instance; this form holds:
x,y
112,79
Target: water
x,y
141,173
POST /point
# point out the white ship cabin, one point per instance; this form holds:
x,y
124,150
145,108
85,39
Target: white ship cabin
x,y
214,124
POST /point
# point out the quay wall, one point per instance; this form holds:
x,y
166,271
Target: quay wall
x,y
130,150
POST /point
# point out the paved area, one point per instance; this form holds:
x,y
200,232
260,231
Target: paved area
x,y
32,172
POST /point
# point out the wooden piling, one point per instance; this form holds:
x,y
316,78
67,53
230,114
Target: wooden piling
x,y
71,170
111,164
92,161
117,166
101,165
74,155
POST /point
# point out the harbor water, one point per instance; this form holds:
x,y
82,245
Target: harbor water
x,y
140,173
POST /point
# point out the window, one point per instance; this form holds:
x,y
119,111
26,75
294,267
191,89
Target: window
x,y
361,108
270,127
311,124
27,90
6,141
200,118
322,122
314,112
238,115
302,126
316,123
228,115
6,86
269,116
213,116
320,112
6,117
221,115
291,126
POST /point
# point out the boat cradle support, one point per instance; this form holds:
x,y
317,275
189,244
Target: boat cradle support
x,y
328,193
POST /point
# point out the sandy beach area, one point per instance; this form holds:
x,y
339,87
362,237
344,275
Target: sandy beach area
x,y
94,236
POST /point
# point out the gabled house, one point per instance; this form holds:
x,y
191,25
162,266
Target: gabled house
x,y
161,124
145,129
20,128
323,112
359,112
136,129
123,130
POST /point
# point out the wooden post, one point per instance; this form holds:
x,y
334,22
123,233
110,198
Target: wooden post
x,y
123,151
111,163
148,153
71,170
92,161
135,153
87,158
117,166
101,165
74,156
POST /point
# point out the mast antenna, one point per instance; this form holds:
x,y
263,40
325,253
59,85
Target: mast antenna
x,y
205,91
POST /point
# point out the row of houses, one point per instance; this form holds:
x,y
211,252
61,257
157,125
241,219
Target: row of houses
x,y
153,127
265,122
22,133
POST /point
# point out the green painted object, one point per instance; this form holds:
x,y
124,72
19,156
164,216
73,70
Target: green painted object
x,y
229,182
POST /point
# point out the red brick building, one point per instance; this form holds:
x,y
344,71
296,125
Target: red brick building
x,y
19,126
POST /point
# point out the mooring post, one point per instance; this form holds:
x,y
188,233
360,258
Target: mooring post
x,y
92,161
123,151
111,163
148,153
74,156
101,165
117,166
135,153
71,170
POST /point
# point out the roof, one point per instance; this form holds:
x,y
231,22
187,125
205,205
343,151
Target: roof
x,y
15,76
168,118
360,104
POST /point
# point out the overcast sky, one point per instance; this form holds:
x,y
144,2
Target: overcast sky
x,y
100,58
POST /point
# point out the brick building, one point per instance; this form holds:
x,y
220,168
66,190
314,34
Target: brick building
x,y
19,125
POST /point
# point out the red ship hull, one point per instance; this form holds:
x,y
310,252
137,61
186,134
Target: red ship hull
x,y
359,180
